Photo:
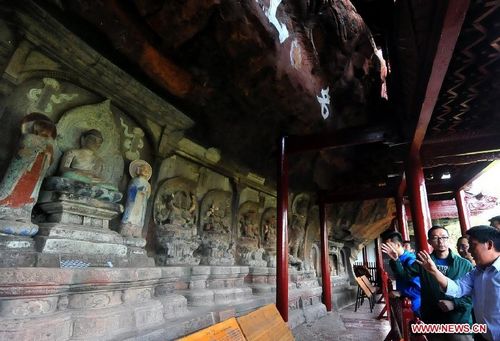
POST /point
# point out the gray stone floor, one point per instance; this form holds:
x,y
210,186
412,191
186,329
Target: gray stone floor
x,y
345,325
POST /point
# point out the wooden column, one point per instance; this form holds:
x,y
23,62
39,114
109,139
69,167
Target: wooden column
x,y
401,216
378,260
418,202
282,232
365,256
463,211
325,259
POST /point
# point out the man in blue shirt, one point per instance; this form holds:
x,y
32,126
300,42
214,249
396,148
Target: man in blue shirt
x,y
407,287
482,283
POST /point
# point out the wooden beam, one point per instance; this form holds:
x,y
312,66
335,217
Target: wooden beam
x,y
479,169
462,159
336,139
454,146
452,25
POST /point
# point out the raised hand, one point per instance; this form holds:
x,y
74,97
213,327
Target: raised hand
x,y
390,251
426,261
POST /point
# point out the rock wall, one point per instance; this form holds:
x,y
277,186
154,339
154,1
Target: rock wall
x,y
209,227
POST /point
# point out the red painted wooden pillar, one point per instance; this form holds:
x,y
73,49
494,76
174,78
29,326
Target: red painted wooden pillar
x,y
365,256
325,263
282,232
419,205
463,211
378,260
401,216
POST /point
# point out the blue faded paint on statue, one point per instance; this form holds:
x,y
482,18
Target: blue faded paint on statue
x,y
138,193
22,181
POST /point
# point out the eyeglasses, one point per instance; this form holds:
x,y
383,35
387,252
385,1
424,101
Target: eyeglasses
x,y
437,239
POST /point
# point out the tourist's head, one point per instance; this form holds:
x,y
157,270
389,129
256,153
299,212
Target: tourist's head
x,y
394,239
92,139
463,246
407,246
437,237
495,222
484,244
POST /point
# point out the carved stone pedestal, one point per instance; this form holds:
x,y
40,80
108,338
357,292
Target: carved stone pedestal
x,y
249,252
77,229
178,245
74,209
304,299
216,249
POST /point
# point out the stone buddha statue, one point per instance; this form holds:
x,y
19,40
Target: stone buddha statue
x,y
81,171
84,164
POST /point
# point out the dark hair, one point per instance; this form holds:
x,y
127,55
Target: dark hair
x,y
460,238
435,227
391,235
495,218
483,233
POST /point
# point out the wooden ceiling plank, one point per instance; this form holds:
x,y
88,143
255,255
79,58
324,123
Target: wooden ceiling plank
x,y
452,25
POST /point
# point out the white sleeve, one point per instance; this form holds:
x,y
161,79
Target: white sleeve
x,y
462,286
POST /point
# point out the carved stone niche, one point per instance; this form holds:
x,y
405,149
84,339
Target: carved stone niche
x,y
249,243
337,259
86,200
268,235
174,213
217,246
81,200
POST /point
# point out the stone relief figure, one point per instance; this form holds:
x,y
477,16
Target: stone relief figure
x,y
297,224
269,227
248,226
138,193
22,180
176,203
215,220
81,170
217,246
175,219
84,164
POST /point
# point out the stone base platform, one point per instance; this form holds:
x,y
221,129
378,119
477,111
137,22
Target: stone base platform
x,y
304,298
154,303
58,244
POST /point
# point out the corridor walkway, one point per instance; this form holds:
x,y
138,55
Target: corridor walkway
x,y
345,325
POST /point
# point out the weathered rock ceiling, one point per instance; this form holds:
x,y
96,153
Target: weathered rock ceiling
x,y
248,71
